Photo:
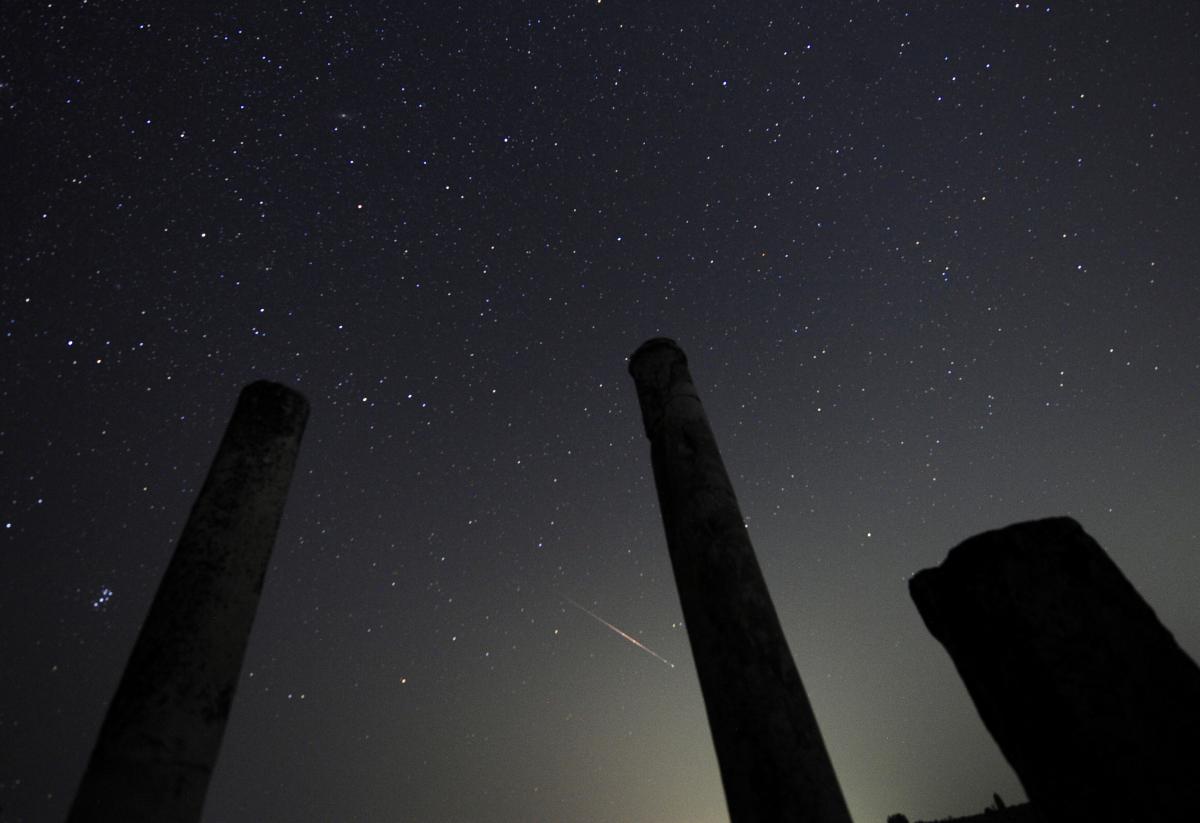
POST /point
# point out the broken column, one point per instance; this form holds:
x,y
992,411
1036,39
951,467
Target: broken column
x,y
1090,698
160,738
773,762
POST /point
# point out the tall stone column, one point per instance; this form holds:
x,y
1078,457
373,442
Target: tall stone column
x,y
773,762
1089,697
160,738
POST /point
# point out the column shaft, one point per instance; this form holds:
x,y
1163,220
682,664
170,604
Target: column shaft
x,y
160,738
773,762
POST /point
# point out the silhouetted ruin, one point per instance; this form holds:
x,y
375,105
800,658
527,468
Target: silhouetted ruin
x,y
163,729
773,762
1089,697
998,812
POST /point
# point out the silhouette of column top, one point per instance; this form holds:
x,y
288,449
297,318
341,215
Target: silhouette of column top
x,y
773,762
651,368
160,738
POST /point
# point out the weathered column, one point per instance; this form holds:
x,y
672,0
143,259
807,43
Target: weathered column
x,y
1089,697
773,763
163,729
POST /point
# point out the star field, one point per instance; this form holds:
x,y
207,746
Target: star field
x,y
934,266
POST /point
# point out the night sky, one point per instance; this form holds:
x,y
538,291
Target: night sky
x,y
934,266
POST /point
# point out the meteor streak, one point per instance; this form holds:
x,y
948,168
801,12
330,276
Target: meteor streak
x,y
628,637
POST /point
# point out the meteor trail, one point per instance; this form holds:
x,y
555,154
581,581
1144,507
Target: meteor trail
x,y
604,622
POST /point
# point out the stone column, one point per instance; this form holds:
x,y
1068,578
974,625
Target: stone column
x,y
163,729
773,762
1089,697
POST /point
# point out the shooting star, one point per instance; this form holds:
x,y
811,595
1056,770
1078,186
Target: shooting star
x,y
628,637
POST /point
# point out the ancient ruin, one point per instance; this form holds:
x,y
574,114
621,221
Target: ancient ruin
x,y
163,729
773,762
1088,695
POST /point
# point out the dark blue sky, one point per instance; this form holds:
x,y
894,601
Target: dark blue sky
x,y
934,265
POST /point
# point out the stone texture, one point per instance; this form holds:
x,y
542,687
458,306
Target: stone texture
x,y
1089,697
773,762
163,729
